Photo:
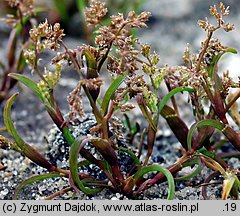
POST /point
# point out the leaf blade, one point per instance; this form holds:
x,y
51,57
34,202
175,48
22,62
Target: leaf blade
x,y
73,163
34,179
164,101
30,84
110,91
9,123
166,172
215,60
212,123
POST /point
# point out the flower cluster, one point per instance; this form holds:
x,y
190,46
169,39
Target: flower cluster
x,y
178,76
214,48
227,83
151,68
50,80
195,69
75,103
151,100
23,7
46,36
118,29
127,54
189,75
92,84
95,12
117,34
223,11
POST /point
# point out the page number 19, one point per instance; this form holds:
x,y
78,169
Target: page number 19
x,y
230,207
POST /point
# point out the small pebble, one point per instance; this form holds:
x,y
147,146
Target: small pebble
x,y
114,198
1,166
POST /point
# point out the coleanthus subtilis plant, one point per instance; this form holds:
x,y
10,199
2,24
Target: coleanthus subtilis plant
x,y
129,63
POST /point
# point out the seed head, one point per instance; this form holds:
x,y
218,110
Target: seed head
x,y
95,12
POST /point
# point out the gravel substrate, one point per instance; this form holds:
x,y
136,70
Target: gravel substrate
x,y
166,152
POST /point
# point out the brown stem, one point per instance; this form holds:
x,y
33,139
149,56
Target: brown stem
x,y
235,98
76,64
95,109
151,136
21,22
216,158
141,142
174,103
105,129
200,59
105,56
142,62
58,193
229,154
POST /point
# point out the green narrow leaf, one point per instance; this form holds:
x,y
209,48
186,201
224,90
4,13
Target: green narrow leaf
x,y
199,124
131,154
206,153
91,64
19,26
190,175
215,60
9,124
110,91
167,173
190,162
164,101
235,188
73,163
142,105
26,149
34,179
30,84
68,135
84,163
